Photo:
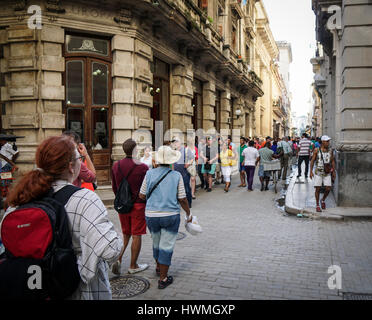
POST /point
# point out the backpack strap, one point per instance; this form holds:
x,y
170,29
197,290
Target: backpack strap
x,y
130,171
65,193
126,178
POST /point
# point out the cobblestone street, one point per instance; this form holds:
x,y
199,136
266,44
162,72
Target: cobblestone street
x,y
250,249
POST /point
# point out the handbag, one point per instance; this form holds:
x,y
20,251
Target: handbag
x,y
327,166
207,166
192,170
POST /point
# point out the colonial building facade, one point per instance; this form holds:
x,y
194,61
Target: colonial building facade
x,y
343,84
111,70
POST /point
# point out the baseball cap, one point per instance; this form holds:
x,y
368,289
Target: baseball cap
x,y
325,138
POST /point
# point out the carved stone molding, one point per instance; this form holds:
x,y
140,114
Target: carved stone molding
x,y
54,6
354,147
20,5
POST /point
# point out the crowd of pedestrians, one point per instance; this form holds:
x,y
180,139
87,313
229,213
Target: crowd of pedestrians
x,y
161,183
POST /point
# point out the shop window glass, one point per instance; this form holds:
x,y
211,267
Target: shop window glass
x,y
100,129
75,121
99,84
75,82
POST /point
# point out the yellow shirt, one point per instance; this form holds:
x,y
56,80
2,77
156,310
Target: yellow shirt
x,y
225,161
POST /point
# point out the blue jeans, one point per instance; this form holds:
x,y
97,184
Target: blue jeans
x,y
186,177
164,232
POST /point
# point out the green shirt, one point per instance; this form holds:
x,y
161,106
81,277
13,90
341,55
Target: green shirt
x,y
241,149
265,154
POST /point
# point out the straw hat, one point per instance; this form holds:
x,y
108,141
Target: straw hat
x,y
166,155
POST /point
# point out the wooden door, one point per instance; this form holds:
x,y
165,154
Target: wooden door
x,y
88,109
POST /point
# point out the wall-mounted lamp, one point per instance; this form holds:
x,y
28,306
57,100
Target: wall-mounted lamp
x,y
238,112
153,90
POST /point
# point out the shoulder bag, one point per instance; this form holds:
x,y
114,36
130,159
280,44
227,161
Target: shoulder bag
x,y
156,185
327,166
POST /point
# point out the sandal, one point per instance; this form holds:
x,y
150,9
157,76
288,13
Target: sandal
x,y
163,284
318,209
323,205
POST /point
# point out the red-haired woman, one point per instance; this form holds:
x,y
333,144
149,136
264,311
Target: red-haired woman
x,y
94,238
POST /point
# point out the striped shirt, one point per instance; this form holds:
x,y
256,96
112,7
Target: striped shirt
x,y
304,147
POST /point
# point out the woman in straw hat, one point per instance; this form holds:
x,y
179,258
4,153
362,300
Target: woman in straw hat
x,y
164,191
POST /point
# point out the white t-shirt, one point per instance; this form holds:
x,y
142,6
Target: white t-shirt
x,y
147,161
7,151
250,155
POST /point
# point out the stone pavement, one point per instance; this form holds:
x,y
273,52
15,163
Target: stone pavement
x,y
300,199
252,249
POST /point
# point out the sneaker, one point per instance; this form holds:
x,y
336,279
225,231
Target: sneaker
x,y
116,268
141,267
163,284
209,190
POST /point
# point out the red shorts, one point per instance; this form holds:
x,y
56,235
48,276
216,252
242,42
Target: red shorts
x,y
134,223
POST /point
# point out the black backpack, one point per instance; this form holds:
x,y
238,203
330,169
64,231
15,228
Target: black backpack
x,y
123,202
39,262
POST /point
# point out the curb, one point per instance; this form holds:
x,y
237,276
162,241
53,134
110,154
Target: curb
x,y
291,209
289,206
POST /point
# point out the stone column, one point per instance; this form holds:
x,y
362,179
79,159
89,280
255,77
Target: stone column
x,y
354,149
181,97
226,113
131,99
209,103
32,65
266,124
238,122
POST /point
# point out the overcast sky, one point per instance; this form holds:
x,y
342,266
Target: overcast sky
x,y
294,21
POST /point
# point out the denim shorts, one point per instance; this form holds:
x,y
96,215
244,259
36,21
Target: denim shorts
x,y
262,173
164,232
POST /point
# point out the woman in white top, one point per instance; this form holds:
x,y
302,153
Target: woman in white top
x,y
147,158
94,239
251,158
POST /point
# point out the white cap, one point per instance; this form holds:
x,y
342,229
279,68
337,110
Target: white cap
x,y
325,138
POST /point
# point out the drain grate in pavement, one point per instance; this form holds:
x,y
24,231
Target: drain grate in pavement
x,y
356,296
181,235
124,287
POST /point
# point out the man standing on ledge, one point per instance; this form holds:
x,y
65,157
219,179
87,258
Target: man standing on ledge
x,y
324,172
